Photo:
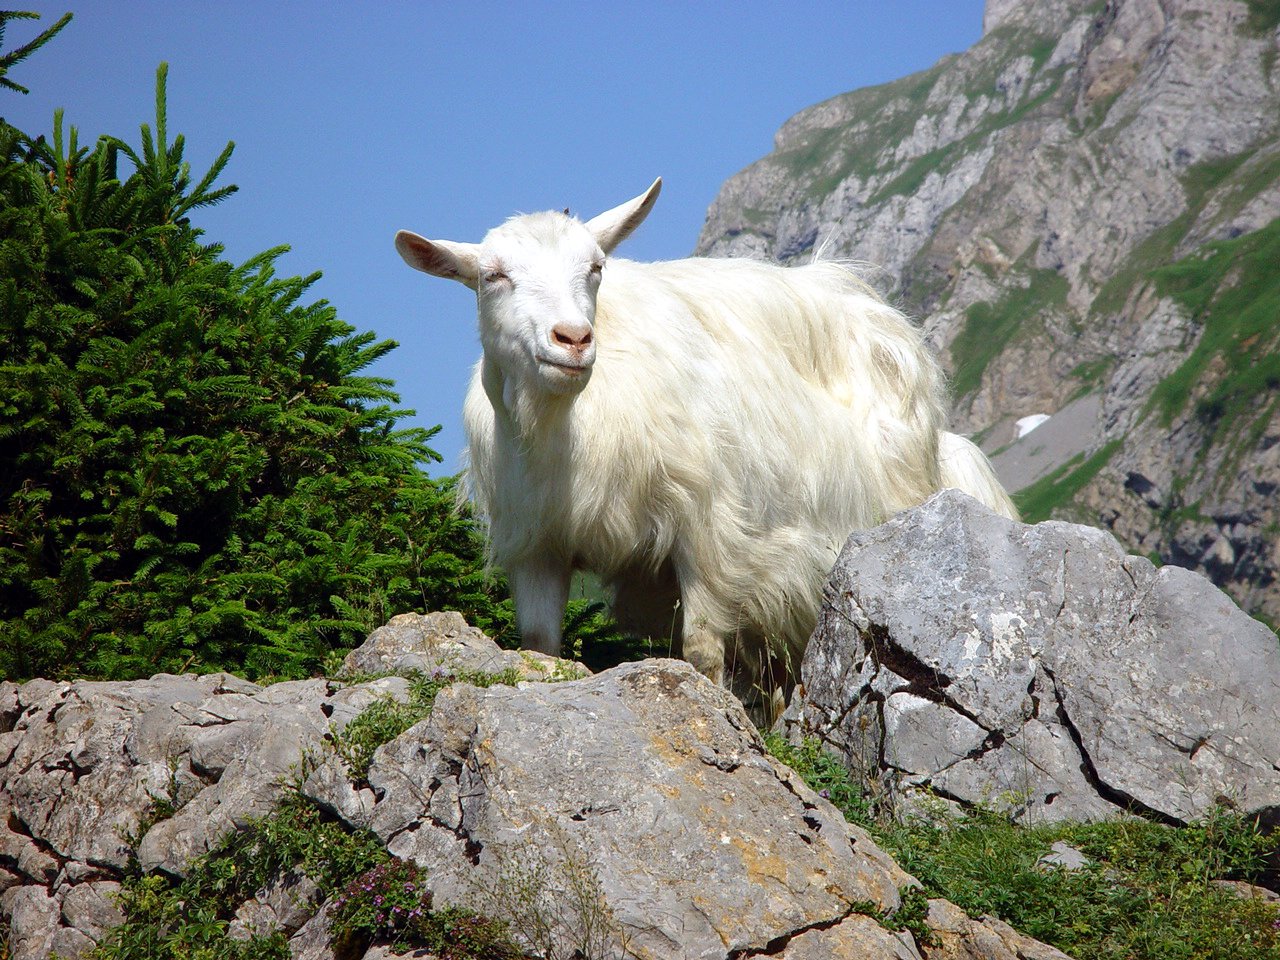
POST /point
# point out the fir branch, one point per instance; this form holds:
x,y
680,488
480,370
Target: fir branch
x,y
13,58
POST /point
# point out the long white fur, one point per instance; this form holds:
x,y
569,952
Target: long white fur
x,y
738,422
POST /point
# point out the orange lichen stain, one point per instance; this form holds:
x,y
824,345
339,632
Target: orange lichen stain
x,y
705,907
676,754
712,817
761,862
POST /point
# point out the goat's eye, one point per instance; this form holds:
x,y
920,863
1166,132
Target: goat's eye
x,y
596,269
495,276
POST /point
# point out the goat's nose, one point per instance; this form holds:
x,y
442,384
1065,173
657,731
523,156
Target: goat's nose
x,y
573,337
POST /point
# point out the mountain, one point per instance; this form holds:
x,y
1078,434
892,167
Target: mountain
x,y
1084,211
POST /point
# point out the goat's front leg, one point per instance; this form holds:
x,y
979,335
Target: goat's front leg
x,y
540,586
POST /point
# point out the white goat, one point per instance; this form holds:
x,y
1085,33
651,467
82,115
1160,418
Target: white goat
x,y
702,431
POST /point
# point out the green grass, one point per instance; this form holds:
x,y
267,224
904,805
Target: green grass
x,y
910,179
1041,50
1149,892
1038,501
989,327
895,108
1200,181
916,171
1264,16
1233,289
1092,375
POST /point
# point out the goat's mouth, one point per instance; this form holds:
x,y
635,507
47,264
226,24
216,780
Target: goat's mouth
x,y
568,369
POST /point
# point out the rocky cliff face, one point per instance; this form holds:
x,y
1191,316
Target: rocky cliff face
x,y
1082,208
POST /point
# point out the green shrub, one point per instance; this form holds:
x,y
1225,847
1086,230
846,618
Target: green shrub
x,y
376,897
195,471
160,925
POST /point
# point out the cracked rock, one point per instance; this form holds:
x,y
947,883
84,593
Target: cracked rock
x,y
632,813
696,842
1040,670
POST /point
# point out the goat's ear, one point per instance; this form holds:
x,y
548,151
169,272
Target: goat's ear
x,y
440,258
614,226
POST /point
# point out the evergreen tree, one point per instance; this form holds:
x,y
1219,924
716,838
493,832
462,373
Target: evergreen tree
x,y
195,472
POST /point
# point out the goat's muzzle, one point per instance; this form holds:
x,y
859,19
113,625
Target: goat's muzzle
x,y
574,339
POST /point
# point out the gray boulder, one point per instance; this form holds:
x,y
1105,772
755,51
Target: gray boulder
x,y
88,766
1041,670
426,643
634,813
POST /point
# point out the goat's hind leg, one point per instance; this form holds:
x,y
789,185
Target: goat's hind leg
x,y
702,642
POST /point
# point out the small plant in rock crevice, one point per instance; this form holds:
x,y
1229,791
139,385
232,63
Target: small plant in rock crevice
x,y
911,915
388,717
552,897
392,904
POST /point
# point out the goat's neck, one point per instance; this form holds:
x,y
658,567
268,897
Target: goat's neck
x,y
523,411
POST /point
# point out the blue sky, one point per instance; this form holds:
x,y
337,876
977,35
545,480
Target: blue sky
x,y
354,120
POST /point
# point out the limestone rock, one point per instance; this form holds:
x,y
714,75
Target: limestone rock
x,y
286,904
33,922
88,760
963,938
311,942
635,810
1040,669
260,741
1063,856
414,642
640,804
853,938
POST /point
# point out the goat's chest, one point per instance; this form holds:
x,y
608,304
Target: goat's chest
x,y
602,507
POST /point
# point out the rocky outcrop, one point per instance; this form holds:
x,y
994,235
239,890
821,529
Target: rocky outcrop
x,y
644,798
1029,199
445,642
1041,670
634,810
